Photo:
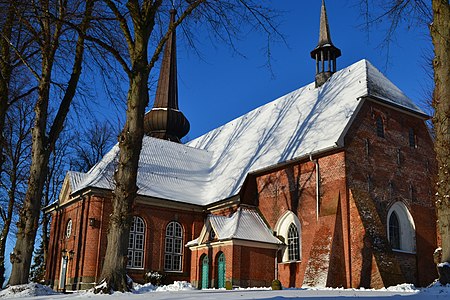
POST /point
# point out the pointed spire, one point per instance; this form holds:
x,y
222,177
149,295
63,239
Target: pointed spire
x,y
167,91
324,34
165,121
325,50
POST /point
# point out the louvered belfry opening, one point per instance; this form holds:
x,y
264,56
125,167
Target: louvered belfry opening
x,y
325,54
165,120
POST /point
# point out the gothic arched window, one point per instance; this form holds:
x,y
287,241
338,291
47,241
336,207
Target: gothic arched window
x,y
289,230
173,247
293,243
394,231
136,243
401,228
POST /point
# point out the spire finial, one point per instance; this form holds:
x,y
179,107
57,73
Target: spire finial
x,y
325,50
165,121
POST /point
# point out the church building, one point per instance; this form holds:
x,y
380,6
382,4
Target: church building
x,y
329,185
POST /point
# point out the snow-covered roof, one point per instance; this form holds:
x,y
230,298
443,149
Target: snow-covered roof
x,y
214,166
167,170
244,224
75,178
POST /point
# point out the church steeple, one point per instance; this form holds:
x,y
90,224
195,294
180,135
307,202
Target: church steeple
x,y
325,53
165,121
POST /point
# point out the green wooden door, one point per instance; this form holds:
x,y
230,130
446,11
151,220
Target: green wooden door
x,y
221,271
205,272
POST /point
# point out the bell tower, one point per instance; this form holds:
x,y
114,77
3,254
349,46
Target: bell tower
x,y
165,120
325,54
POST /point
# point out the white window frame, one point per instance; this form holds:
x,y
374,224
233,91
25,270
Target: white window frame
x,y
293,243
173,247
407,227
69,226
282,229
136,244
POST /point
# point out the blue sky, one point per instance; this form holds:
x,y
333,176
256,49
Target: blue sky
x,y
221,85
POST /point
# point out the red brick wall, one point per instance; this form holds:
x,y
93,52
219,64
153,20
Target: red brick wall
x,y
323,241
390,180
256,268
83,241
156,219
213,253
88,243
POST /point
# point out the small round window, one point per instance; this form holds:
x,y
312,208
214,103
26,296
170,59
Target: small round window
x,y
69,229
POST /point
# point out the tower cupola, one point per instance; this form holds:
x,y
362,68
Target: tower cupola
x,y
165,120
325,53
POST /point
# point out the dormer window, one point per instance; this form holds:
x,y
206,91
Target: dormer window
x,y
380,127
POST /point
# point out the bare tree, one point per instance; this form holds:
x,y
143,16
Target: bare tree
x,y
91,144
438,13
17,153
14,44
135,37
45,21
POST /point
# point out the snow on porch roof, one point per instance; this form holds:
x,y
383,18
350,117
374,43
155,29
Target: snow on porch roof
x,y
244,224
214,166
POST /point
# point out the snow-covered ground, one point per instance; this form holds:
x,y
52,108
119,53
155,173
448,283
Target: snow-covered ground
x,y
183,290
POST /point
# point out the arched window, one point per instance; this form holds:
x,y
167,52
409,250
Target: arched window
x,y
380,127
394,231
136,243
401,228
293,243
288,228
173,247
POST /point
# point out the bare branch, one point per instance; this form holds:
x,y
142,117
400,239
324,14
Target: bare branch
x,y
123,24
24,61
171,29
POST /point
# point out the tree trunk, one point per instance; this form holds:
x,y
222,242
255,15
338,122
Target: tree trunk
x,y
29,213
7,225
440,33
42,145
130,144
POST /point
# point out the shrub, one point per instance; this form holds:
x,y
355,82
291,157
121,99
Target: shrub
x,y
154,277
276,285
228,285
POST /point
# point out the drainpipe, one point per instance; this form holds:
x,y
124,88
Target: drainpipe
x,y
276,262
316,163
